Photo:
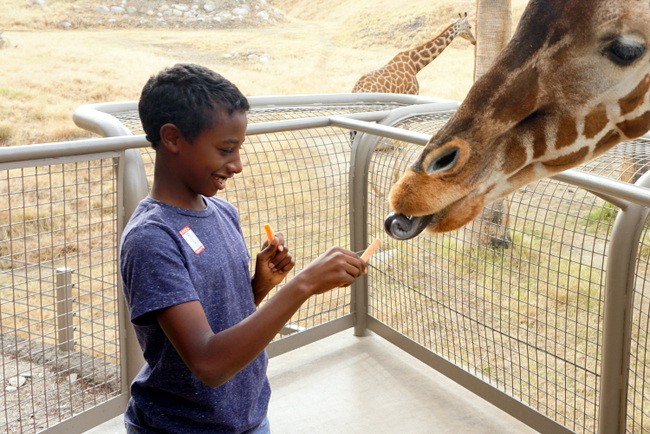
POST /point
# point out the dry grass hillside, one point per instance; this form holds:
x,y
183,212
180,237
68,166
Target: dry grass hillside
x,y
55,57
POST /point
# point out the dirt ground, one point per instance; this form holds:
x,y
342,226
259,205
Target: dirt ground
x,y
58,55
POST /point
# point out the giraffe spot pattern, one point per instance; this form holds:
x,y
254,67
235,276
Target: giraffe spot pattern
x,y
595,121
567,132
539,142
399,75
515,158
561,163
608,141
635,98
524,176
636,127
521,97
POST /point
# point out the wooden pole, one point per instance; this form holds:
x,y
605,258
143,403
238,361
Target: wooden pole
x,y
493,31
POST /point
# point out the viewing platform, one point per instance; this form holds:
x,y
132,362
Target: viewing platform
x,y
349,384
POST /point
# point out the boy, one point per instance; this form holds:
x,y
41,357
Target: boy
x,y
184,267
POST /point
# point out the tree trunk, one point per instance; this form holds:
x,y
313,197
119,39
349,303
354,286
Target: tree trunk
x,y
493,31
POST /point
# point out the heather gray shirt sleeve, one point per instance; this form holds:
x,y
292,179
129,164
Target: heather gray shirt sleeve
x,y
154,272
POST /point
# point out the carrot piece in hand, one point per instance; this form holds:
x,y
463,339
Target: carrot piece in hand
x,y
269,232
372,248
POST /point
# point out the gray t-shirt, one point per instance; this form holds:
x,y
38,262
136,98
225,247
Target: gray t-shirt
x,y
170,256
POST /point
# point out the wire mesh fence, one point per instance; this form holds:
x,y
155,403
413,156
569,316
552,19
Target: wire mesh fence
x,y
524,314
301,191
58,317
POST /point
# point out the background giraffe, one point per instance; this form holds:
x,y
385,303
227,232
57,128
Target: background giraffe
x,y
572,83
399,75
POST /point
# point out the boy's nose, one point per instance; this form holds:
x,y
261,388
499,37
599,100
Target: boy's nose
x,y
236,165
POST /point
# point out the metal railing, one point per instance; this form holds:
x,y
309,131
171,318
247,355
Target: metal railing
x,y
552,328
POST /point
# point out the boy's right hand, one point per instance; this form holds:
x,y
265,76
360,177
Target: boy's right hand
x,y
336,268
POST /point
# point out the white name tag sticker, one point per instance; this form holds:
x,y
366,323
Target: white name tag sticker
x,y
192,240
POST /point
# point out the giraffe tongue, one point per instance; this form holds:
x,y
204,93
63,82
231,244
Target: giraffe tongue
x,y
402,227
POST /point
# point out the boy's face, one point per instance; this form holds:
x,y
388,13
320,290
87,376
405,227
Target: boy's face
x,y
213,157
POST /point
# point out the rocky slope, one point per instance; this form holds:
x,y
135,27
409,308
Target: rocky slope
x,y
155,14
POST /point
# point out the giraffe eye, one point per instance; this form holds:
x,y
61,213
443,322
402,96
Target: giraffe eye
x,y
623,51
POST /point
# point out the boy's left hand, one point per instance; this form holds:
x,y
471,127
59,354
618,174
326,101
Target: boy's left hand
x,y
273,264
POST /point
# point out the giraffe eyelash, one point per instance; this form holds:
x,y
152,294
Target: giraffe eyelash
x,y
624,51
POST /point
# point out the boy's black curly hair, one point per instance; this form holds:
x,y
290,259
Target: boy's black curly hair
x,y
189,96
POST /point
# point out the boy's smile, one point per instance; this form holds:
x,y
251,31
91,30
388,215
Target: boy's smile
x,y
219,182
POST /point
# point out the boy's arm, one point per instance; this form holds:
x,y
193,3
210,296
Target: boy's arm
x,y
214,358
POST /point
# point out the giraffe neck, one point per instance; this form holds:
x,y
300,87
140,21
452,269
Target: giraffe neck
x,y
425,53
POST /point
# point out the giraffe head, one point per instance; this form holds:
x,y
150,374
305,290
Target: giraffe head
x,y
572,83
463,28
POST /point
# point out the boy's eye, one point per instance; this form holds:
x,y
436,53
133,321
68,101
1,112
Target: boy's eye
x,y
228,149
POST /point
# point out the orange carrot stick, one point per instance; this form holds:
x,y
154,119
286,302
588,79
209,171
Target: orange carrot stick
x,y
372,248
269,232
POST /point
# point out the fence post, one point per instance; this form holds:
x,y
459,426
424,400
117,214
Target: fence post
x,y
617,315
359,163
132,187
64,312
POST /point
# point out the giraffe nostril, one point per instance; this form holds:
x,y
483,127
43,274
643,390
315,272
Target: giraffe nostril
x,y
443,162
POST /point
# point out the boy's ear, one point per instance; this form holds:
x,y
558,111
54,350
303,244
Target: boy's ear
x,y
169,137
